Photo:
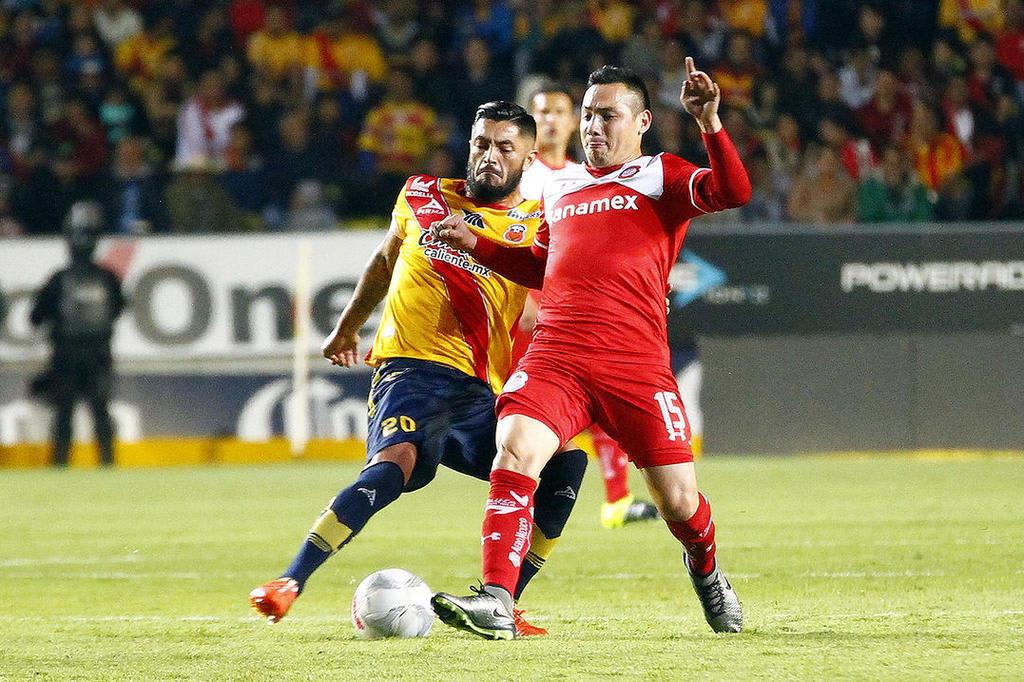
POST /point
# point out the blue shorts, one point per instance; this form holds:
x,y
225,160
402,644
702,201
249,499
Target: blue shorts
x,y
448,415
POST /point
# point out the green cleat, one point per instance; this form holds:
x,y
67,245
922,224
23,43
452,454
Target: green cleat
x,y
627,510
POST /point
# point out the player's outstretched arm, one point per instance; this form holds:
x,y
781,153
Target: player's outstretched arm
x,y
727,185
523,266
341,346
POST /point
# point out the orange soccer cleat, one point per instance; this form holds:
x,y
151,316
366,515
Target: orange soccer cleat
x,y
272,600
524,629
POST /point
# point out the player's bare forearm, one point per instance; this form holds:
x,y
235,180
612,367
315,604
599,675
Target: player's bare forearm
x,y
341,346
517,264
372,286
710,123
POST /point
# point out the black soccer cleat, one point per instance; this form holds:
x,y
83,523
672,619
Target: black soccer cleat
x,y
481,614
722,608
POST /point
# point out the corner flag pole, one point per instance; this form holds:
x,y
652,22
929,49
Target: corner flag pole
x,y
299,417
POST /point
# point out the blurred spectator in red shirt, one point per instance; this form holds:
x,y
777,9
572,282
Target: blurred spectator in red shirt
x,y
85,140
885,118
1010,43
855,153
246,17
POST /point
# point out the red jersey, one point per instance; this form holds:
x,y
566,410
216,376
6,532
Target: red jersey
x,y
610,237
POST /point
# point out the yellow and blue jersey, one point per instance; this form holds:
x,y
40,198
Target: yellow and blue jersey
x,y
443,306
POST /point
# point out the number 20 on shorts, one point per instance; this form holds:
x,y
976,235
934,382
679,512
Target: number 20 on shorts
x,y
391,425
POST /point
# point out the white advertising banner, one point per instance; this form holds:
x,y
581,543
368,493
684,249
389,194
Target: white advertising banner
x,y
202,297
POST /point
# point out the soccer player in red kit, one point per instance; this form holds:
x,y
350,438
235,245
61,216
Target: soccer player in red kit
x,y
612,231
551,106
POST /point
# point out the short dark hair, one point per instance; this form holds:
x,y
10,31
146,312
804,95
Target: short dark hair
x,y
550,88
608,75
502,110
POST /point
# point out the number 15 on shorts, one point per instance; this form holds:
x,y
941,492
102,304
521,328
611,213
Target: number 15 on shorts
x,y
672,413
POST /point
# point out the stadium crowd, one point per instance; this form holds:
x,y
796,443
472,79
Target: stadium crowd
x,y
218,115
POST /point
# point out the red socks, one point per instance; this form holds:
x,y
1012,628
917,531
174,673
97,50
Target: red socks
x,y
508,523
698,537
613,464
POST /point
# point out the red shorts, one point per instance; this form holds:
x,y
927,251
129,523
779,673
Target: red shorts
x,y
638,405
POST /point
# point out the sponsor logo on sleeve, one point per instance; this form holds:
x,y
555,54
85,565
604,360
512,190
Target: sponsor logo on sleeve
x,y
432,207
421,184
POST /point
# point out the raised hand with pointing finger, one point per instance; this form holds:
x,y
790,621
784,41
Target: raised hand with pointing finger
x,y
700,97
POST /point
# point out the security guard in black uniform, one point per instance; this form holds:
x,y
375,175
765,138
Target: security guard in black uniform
x,y
80,304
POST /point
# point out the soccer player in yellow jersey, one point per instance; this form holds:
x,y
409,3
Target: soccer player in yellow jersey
x,y
442,352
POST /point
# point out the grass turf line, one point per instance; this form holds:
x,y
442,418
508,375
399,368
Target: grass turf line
x,y
856,569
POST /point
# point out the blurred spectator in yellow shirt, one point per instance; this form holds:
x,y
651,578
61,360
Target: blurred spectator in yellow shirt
x,y
140,57
970,17
748,16
277,51
339,57
397,136
612,18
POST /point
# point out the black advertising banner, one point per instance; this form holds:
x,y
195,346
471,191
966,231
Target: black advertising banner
x,y
961,278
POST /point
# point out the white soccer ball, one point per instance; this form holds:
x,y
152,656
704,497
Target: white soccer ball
x,y
392,603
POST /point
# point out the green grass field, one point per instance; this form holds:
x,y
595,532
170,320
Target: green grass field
x,y
860,568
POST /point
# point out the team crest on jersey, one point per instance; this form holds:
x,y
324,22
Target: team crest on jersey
x,y
515,233
515,382
628,172
474,219
516,214
432,206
